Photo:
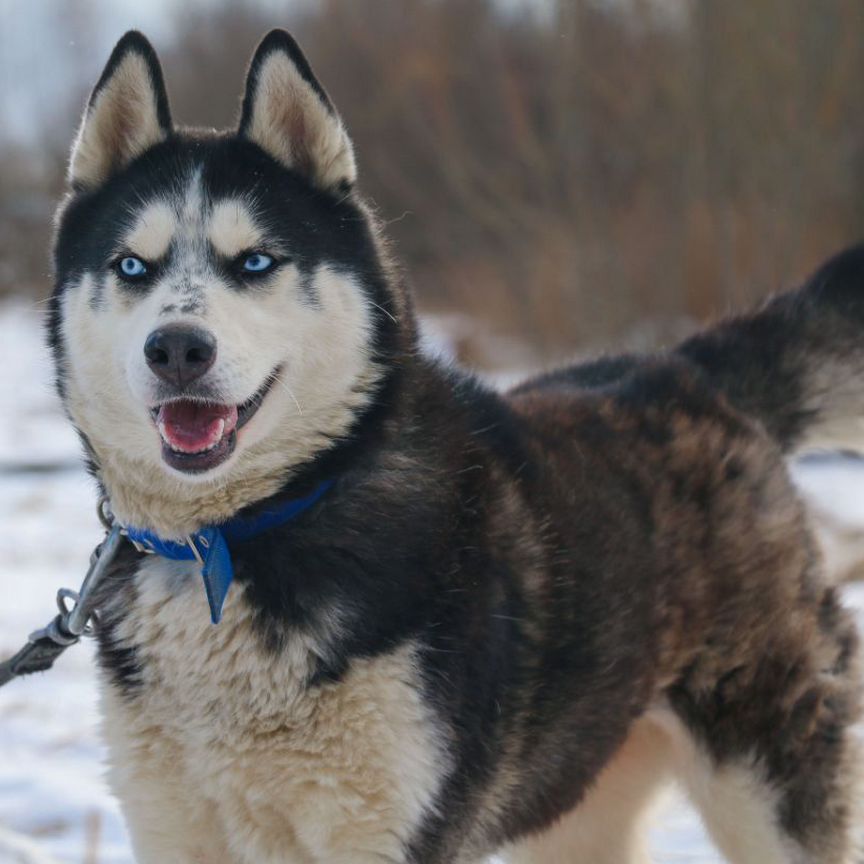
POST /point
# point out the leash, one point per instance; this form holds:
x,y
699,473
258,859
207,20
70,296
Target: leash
x,y
72,621
209,547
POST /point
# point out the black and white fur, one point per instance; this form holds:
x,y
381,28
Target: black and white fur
x,y
512,618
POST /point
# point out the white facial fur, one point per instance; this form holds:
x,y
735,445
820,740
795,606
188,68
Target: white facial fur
x,y
321,345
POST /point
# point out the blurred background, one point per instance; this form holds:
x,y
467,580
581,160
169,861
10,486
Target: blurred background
x,y
572,173
558,177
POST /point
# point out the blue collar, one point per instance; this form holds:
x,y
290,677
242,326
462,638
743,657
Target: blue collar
x,y
210,546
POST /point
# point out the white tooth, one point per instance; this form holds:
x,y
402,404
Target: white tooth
x,y
218,440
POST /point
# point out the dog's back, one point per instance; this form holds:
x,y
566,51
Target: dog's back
x,y
665,481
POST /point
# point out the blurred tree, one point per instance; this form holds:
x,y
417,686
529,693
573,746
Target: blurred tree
x,y
575,172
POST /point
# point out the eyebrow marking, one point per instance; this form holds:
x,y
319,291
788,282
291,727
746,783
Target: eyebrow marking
x,y
232,229
153,231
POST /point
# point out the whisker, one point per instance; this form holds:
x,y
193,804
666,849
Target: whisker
x,y
399,218
388,314
284,384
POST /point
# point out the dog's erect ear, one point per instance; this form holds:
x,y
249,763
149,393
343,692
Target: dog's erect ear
x,y
126,115
287,113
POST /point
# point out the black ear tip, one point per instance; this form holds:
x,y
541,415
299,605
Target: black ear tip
x,y
135,42
282,42
277,40
131,42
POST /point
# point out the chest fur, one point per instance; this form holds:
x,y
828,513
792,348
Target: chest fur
x,y
270,760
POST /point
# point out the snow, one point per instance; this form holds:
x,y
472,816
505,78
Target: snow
x,y
54,805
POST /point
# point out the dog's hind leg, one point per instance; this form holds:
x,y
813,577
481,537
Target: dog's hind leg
x,y
775,765
607,827
740,810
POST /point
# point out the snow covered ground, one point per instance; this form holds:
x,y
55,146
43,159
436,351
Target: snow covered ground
x,y
54,806
53,802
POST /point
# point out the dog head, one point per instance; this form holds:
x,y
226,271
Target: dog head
x,y
222,313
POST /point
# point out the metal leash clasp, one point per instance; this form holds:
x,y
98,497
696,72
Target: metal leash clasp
x,y
77,610
190,542
106,517
77,615
139,546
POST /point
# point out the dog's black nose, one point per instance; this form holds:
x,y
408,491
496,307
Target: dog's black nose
x,y
180,355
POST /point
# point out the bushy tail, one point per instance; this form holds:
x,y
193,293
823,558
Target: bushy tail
x,y
798,363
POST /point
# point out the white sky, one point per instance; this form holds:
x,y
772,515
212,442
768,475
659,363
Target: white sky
x,y
52,49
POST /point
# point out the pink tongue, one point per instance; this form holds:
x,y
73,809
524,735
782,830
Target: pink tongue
x,y
191,427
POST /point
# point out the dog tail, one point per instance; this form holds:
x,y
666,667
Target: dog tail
x,y
798,363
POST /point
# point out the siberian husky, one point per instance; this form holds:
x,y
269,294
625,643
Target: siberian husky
x,y
457,623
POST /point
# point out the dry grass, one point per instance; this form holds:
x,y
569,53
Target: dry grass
x,y
566,177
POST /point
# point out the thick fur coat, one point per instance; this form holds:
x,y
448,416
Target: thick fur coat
x,y
512,617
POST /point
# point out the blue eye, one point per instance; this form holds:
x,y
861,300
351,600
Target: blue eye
x,y
132,267
257,262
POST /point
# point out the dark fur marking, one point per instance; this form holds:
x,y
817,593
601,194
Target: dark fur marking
x,y
116,596
590,375
307,278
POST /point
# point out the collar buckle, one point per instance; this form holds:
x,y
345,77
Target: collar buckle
x,y
190,542
139,546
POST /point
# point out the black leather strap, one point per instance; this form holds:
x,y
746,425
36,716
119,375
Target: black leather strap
x,y
38,656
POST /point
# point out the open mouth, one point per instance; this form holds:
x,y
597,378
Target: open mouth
x,y
198,435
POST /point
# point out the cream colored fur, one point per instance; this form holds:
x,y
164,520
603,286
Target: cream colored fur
x,y
120,124
737,806
293,125
152,233
232,230
226,755
608,826
832,394
740,812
